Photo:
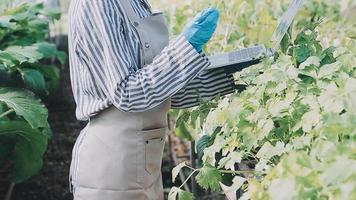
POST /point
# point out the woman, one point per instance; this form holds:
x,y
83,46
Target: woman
x,y
126,75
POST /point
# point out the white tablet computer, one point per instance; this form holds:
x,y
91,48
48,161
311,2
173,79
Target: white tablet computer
x,y
241,58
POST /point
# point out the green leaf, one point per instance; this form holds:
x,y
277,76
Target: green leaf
x,y
194,115
30,146
209,177
327,56
62,57
203,143
302,53
34,80
53,13
183,117
8,60
26,105
52,75
184,195
49,50
25,54
302,39
206,141
285,43
32,53
46,49
183,132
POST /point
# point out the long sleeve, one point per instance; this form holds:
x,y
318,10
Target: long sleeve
x,y
207,85
105,51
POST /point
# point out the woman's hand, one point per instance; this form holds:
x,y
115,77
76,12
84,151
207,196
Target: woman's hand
x,y
202,28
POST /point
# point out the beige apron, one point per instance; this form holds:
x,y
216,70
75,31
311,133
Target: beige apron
x,y
118,155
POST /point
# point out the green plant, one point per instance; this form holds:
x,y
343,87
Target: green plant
x,y
23,48
24,131
24,72
294,123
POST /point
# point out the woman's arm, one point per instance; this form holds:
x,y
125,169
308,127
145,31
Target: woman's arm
x,y
207,85
103,48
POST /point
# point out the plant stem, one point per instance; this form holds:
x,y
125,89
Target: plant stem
x,y
6,113
222,171
190,175
191,167
9,191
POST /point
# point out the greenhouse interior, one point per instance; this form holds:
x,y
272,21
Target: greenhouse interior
x,y
178,99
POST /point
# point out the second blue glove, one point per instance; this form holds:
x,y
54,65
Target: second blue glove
x,y
202,28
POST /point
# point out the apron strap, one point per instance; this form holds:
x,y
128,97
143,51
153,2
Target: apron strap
x,y
128,9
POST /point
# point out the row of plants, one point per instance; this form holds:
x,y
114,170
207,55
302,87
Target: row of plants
x,y
293,120
26,76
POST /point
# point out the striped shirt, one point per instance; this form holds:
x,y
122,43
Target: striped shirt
x,y
105,57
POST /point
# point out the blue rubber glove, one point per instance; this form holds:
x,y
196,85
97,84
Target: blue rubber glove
x,y
202,28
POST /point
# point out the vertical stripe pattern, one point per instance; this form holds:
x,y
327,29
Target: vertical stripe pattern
x,y
105,56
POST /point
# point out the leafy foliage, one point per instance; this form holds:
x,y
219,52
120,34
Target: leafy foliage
x,y
295,121
24,54
26,105
28,145
23,49
190,120
209,177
